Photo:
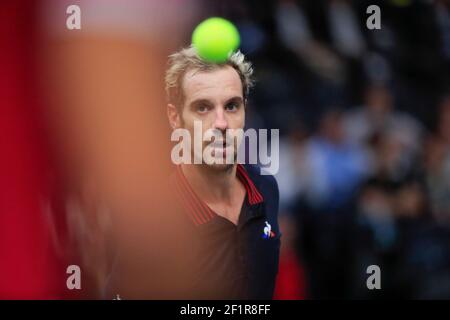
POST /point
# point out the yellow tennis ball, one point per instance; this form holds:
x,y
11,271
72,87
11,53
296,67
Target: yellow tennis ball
x,y
215,38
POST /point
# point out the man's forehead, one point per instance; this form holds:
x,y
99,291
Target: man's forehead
x,y
222,81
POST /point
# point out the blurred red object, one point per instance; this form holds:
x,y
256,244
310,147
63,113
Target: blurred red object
x,y
291,279
29,266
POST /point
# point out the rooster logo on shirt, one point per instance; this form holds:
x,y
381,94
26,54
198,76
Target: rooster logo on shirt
x,y
268,233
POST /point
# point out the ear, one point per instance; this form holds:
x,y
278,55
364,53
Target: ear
x,y
174,116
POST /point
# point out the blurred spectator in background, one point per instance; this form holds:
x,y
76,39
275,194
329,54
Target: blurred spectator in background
x,y
378,116
442,9
396,232
336,167
437,164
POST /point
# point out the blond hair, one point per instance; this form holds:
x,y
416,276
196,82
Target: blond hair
x,y
187,59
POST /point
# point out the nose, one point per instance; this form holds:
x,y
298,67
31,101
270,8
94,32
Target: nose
x,y
220,122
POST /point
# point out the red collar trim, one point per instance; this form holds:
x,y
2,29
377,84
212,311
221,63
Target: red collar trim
x,y
197,209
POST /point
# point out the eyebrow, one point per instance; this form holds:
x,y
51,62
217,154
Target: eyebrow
x,y
200,101
236,99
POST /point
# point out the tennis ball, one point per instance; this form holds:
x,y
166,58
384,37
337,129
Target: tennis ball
x,y
215,38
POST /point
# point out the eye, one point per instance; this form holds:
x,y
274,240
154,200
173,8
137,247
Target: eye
x,y
232,106
202,108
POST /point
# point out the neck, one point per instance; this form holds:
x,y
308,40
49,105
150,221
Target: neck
x,y
210,184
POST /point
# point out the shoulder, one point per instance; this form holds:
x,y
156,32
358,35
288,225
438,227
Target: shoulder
x,y
260,176
265,183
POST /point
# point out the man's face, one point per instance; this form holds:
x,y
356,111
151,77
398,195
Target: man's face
x,y
215,98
